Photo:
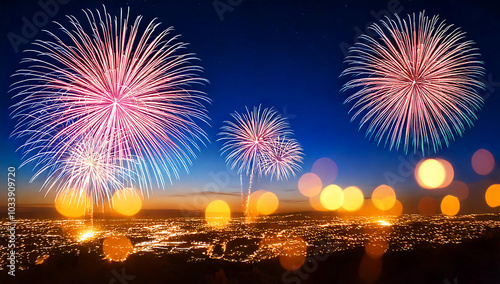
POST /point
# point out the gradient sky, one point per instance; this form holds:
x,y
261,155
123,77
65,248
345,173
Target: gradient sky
x,y
288,55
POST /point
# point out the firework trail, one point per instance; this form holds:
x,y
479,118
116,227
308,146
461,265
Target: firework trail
x,y
418,83
116,82
250,143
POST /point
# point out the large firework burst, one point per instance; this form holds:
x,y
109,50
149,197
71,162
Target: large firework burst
x,y
419,80
260,142
112,81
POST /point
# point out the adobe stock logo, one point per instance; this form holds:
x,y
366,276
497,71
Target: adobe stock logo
x,y
393,7
223,6
31,26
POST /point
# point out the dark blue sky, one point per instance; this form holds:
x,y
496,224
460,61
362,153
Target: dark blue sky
x,y
285,54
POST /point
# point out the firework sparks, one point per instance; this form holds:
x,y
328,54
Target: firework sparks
x,y
247,139
418,81
88,169
117,83
281,159
259,142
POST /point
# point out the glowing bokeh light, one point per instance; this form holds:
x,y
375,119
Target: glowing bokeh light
x,y
427,206
459,189
127,201
384,197
483,162
450,205
376,248
370,269
449,173
369,209
396,210
252,203
315,202
430,174
310,184
293,253
332,197
117,248
492,195
70,204
353,198
326,169
217,214
267,203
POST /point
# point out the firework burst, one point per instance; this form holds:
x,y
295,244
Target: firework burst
x,y
259,142
88,169
247,139
418,83
112,81
282,158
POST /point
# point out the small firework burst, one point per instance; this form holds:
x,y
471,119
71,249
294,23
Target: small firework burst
x,y
282,158
88,169
260,142
248,138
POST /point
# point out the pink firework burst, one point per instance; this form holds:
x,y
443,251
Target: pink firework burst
x,y
113,81
418,80
248,138
282,158
88,169
259,142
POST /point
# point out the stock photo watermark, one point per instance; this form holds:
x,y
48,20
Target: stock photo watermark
x,y
406,168
224,6
393,7
288,115
32,25
455,281
489,86
219,181
11,211
121,278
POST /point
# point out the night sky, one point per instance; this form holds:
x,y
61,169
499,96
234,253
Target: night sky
x,y
287,55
